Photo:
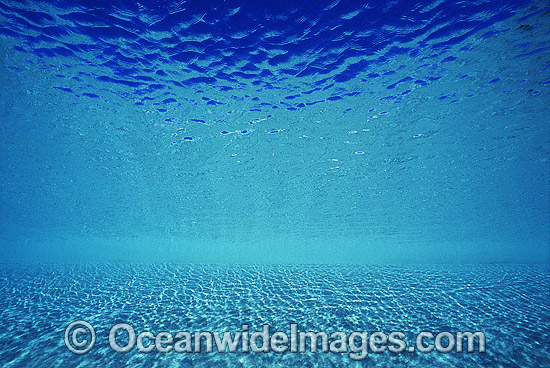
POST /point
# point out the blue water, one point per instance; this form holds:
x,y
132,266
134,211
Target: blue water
x,y
369,166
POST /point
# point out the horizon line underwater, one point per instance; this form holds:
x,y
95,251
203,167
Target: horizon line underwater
x,y
274,184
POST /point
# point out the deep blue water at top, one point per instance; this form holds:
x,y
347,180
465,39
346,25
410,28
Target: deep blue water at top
x,y
158,48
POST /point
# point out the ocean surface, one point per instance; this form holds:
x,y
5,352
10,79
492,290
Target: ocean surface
x,y
342,165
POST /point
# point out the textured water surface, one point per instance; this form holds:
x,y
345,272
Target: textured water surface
x,y
199,57
159,48
509,303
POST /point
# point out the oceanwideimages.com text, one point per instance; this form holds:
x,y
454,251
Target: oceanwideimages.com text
x,y
80,338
